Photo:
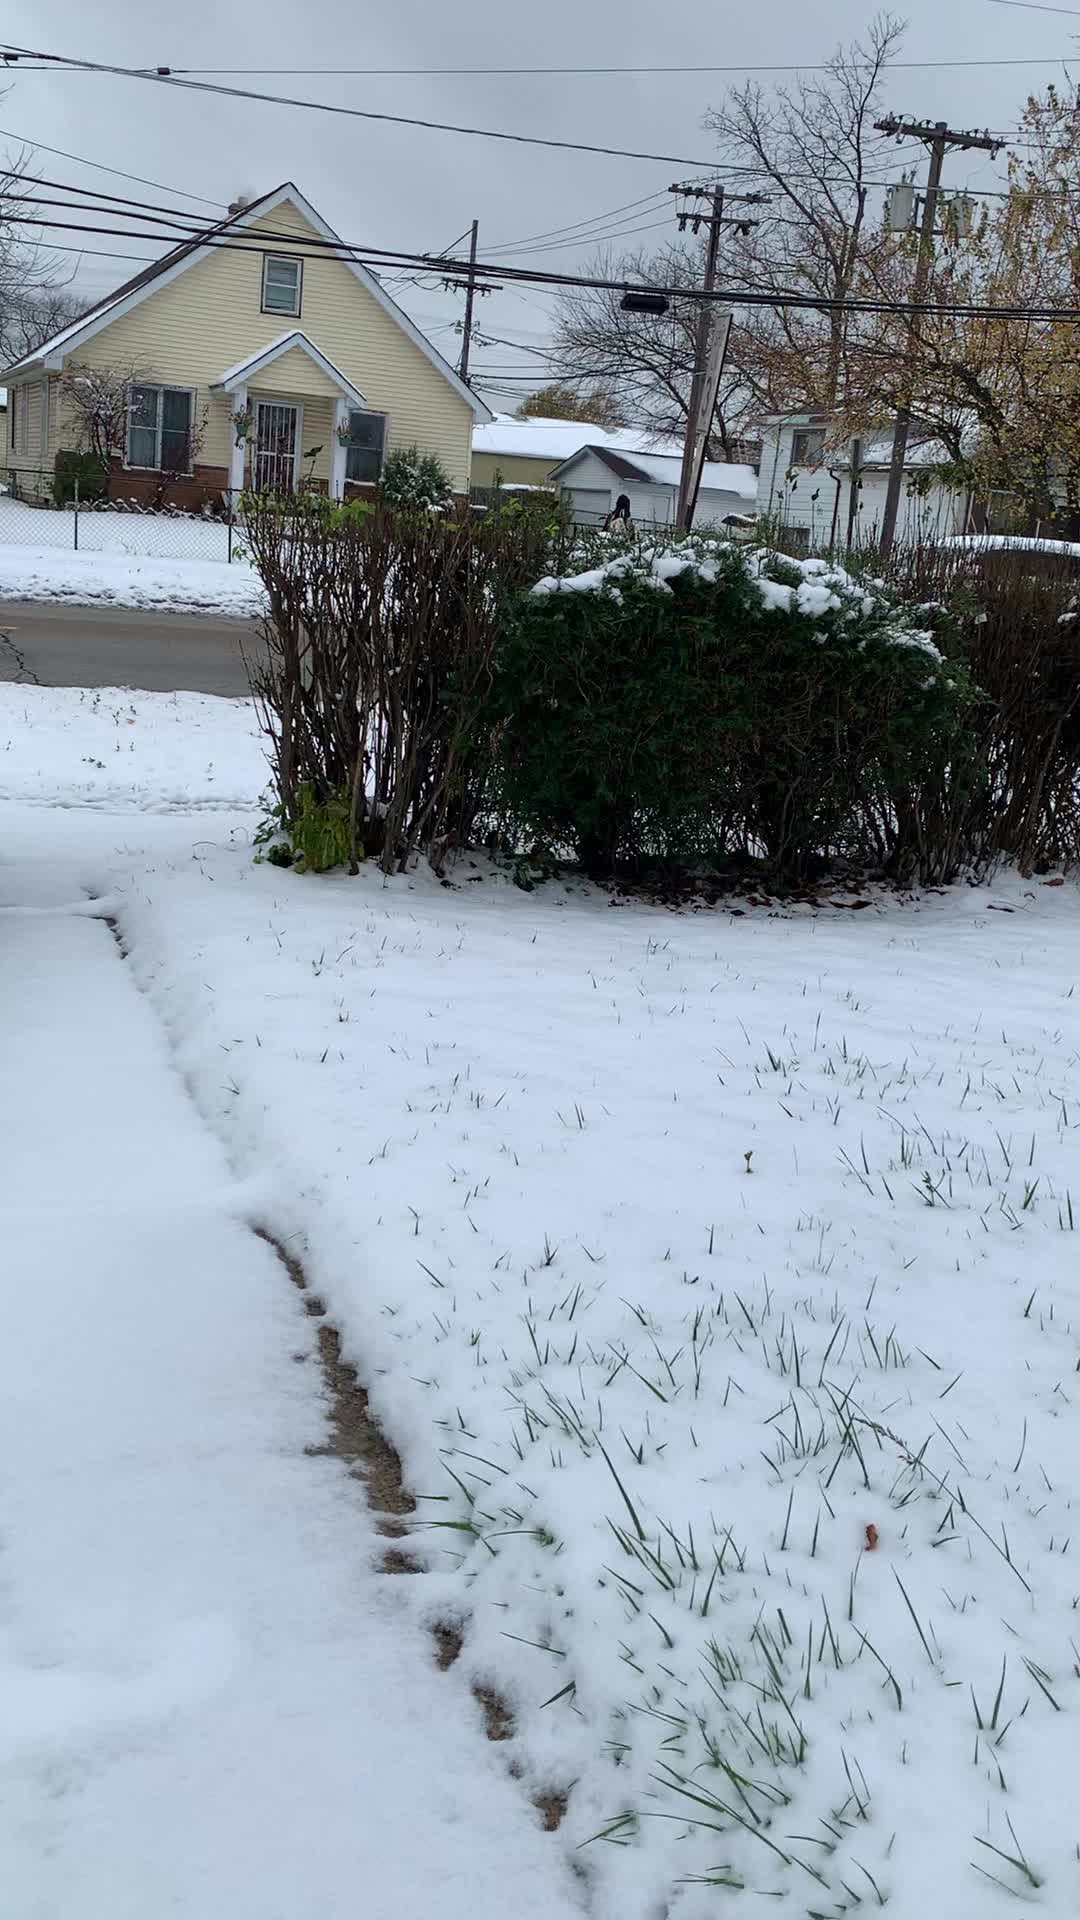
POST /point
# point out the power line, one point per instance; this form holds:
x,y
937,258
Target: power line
x,y
609,213
176,222
169,79
180,224
504,246
96,253
381,73
378,257
1030,6
586,240
82,161
120,206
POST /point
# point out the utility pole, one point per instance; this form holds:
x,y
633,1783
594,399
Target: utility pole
x,y
706,376
939,137
467,282
470,291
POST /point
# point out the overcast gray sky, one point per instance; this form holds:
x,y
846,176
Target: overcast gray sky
x,y
400,187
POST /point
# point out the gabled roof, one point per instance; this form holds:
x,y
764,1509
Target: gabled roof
x,y
623,468
664,470
265,356
53,352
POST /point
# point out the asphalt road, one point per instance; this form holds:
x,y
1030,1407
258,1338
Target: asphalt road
x,y
69,646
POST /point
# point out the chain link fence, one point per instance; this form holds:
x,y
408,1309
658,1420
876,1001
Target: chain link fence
x,y
110,526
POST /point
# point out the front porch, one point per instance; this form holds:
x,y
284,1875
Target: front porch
x,y
289,411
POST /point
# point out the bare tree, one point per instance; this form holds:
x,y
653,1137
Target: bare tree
x,y
97,398
34,296
812,149
31,317
645,362
558,402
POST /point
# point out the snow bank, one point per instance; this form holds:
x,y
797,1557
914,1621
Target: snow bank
x,y
129,580
121,751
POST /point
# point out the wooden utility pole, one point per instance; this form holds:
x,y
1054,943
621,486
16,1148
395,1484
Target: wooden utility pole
x,y
685,512
704,385
939,137
470,293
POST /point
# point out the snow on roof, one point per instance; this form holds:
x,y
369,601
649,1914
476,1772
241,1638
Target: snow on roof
x,y
664,468
556,440
719,476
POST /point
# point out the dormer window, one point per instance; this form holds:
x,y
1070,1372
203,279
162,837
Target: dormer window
x,y
283,279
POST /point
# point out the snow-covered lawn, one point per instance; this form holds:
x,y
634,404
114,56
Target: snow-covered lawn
x,y
117,749
716,1278
117,579
101,530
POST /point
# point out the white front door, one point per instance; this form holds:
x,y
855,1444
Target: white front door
x,y
277,431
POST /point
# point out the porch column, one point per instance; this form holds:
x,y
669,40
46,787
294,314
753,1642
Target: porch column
x,y
340,454
237,404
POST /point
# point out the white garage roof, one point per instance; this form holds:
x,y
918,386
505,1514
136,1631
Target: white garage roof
x,y
556,440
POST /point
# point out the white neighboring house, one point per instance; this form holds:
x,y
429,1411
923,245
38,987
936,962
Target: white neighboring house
x,y
509,452
809,486
592,479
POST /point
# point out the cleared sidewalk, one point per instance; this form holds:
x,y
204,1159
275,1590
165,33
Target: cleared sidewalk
x,y
214,1706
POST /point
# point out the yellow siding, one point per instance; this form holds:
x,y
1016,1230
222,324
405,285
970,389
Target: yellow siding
x,y
31,462
35,420
513,470
294,372
208,319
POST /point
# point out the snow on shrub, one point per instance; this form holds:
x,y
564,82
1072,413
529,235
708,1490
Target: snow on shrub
x,y
713,700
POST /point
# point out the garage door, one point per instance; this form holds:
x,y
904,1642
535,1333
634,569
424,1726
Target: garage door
x,y
590,506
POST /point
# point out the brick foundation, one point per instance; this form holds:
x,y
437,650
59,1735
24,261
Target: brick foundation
x,y
191,492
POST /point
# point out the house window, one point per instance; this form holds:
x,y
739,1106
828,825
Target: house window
x,y
282,282
367,436
808,447
13,410
159,428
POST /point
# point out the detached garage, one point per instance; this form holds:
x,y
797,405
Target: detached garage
x,y
592,479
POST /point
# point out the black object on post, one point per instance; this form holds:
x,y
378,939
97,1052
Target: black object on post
x,y
642,301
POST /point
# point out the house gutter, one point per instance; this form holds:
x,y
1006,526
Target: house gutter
x,y
775,465
839,478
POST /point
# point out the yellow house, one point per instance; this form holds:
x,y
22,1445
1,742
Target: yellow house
x,y
257,353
